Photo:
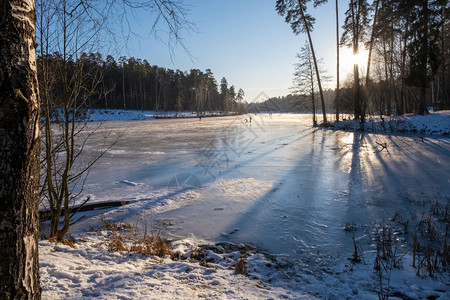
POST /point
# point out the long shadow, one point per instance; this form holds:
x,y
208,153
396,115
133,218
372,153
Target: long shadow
x,y
387,177
356,211
363,204
412,169
277,205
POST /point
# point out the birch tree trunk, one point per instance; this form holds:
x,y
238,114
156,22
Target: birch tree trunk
x,y
19,152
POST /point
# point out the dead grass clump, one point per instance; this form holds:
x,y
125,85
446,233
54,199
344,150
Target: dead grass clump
x,y
357,251
124,238
68,242
113,226
241,267
385,261
198,254
116,244
431,248
152,245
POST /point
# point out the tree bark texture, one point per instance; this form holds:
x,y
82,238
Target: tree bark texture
x,y
19,152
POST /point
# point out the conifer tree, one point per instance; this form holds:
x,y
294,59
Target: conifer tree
x,y
302,22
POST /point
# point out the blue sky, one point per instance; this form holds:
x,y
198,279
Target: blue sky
x,y
246,42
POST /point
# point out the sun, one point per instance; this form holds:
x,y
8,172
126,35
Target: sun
x,y
347,59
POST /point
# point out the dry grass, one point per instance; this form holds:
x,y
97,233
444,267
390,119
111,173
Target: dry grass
x,y
198,254
152,245
241,267
429,245
116,244
113,226
68,242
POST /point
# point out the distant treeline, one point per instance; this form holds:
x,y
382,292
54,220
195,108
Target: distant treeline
x,y
384,99
290,103
131,83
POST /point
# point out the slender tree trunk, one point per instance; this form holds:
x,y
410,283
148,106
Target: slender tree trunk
x,y
423,59
403,108
105,93
356,84
123,87
392,91
315,64
156,92
357,92
141,93
372,38
313,100
443,80
144,105
369,59
336,99
19,152
386,77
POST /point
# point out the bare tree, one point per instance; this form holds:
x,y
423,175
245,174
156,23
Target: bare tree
x,y
304,81
19,152
68,30
68,81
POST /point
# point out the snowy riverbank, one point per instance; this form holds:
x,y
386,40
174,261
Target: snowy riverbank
x,y
92,271
435,123
105,115
206,271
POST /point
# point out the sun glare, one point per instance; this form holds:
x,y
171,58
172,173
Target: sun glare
x,y
348,59
356,59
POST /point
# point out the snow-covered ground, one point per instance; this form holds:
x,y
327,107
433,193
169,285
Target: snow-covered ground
x,y
275,183
435,123
90,271
104,115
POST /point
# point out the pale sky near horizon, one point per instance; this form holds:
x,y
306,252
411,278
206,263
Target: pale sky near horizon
x,y
248,43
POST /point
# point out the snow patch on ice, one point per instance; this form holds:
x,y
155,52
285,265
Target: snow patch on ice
x,y
115,151
176,201
245,188
127,182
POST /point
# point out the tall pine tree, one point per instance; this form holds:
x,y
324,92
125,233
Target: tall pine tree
x,y
302,22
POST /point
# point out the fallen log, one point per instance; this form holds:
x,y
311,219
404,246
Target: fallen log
x,y
45,214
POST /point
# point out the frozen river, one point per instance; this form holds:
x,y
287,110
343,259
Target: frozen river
x,y
275,183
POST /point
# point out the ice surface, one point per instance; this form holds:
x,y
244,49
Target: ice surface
x,y
276,183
